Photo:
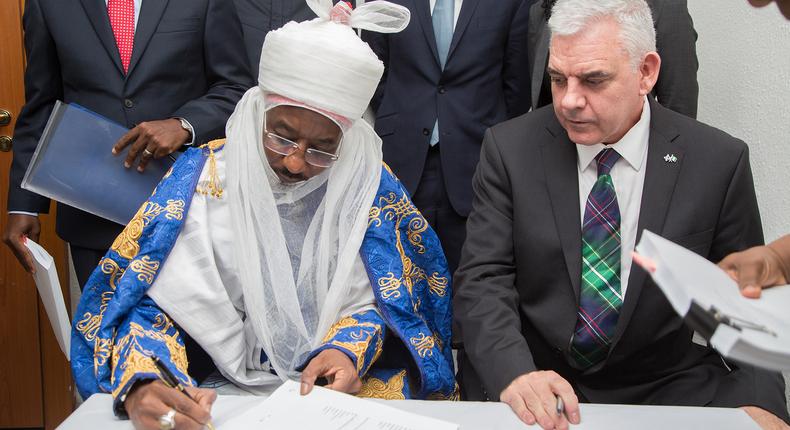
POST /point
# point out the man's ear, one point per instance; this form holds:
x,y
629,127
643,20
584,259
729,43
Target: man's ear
x,y
648,72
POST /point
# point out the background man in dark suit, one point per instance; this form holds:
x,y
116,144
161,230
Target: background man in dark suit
x,y
676,88
143,63
547,299
259,17
458,68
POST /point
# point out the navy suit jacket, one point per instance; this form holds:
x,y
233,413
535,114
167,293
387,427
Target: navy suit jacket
x,y
188,61
483,83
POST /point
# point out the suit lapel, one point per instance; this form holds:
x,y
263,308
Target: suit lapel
x,y
150,13
467,10
423,11
660,179
539,65
97,14
562,180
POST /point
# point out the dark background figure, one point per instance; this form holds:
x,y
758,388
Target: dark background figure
x,y
259,17
181,59
474,79
177,69
677,86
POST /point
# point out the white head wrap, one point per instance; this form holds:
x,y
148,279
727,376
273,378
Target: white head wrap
x,y
294,269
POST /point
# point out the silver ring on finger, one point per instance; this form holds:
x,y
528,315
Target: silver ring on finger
x,y
168,420
147,153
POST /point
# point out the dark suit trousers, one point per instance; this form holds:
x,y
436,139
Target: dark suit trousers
x,y
85,261
433,202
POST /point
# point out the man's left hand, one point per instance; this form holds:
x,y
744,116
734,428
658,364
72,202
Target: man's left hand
x,y
152,139
336,367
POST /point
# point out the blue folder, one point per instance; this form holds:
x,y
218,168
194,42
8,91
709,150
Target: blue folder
x,y
73,164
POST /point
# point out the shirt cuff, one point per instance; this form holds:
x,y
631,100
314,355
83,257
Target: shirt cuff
x,y
22,213
191,130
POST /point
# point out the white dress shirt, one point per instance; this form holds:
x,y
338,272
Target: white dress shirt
x,y
456,10
137,5
628,176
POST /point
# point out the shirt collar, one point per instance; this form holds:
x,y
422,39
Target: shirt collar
x,y
631,147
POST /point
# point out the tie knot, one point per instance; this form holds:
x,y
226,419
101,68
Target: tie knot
x,y
606,159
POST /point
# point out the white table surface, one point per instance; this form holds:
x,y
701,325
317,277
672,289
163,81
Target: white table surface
x,y
96,413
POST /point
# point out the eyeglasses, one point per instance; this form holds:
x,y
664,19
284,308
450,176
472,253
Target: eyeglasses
x,y
285,147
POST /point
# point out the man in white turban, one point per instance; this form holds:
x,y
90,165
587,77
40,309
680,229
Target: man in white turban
x,y
288,252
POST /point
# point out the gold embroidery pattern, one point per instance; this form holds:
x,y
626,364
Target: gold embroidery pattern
x,y
89,324
437,284
424,344
101,351
145,268
212,187
138,359
344,323
389,285
175,210
110,267
378,389
168,173
392,208
163,323
357,348
454,396
126,244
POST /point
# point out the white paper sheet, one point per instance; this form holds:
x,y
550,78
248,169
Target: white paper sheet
x,y
286,409
96,413
51,295
684,277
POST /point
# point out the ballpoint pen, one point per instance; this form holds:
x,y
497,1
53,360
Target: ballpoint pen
x,y
170,380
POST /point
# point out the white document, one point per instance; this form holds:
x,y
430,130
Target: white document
x,y
51,295
755,331
96,413
325,409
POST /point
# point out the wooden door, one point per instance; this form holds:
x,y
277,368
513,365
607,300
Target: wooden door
x,y
36,390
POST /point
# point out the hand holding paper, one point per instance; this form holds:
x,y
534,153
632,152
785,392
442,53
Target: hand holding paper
x,y
756,331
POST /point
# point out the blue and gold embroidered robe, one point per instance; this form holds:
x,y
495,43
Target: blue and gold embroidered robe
x,y
117,327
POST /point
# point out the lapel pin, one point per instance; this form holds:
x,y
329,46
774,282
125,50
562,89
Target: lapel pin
x,y
670,158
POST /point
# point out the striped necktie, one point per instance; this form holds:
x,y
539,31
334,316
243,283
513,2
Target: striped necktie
x,y
601,298
121,13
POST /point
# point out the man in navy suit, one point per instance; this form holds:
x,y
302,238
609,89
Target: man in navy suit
x,y
171,70
459,68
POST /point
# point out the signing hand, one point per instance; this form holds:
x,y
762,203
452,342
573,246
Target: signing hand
x,y
152,139
336,367
755,269
147,403
533,397
19,228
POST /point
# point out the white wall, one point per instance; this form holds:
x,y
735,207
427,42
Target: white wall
x,y
744,77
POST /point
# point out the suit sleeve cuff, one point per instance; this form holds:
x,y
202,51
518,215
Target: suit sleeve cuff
x,y
22,213
189,128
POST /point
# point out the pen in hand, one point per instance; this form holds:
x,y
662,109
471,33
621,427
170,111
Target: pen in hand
x,y
172,381
560,406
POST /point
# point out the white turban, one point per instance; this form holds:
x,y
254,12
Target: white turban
x,y
323,63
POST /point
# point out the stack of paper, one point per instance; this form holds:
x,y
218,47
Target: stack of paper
x,y
325,409
755,331
51,295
